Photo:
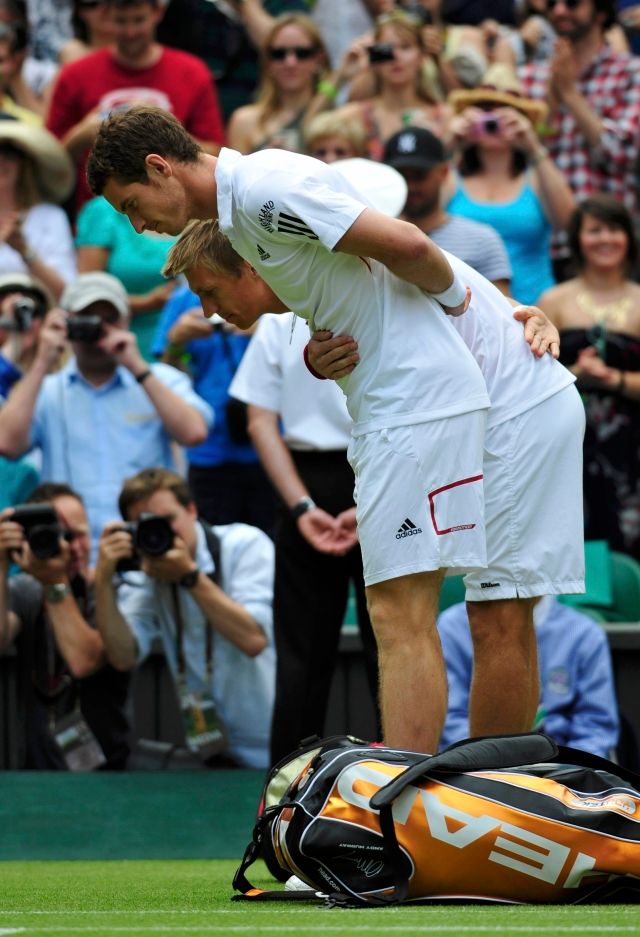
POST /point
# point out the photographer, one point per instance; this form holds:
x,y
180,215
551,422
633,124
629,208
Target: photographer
x,y
24,302
71,703
214,615
105,414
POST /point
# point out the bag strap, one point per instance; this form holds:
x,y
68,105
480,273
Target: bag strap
x,y
213,546
500,751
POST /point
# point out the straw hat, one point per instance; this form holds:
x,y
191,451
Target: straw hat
x,y
499,86
55,173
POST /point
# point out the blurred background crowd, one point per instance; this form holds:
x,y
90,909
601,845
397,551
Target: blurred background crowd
x,y
516,126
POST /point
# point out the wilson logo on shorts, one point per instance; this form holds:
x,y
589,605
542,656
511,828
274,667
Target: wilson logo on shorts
x,y
448,506
408,529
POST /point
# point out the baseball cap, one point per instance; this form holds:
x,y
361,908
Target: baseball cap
x,y
95,287
414,148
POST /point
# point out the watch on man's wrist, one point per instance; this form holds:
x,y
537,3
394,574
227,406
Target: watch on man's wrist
x,y
56,592
189,579
301,507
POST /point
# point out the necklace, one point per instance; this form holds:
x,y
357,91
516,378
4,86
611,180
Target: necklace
x,y
615,313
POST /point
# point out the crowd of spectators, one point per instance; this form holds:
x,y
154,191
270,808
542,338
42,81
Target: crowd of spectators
x,y
516,126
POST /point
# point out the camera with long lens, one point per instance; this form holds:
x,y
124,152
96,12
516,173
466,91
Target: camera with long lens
x,y
85,329
152,534
41,527
24,310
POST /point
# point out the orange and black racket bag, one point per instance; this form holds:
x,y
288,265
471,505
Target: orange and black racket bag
x,y
506,819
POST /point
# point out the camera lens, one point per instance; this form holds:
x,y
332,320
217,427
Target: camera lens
x,y
491,125
154,536
43,541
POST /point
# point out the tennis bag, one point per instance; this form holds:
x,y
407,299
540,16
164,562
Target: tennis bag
x,y
501,819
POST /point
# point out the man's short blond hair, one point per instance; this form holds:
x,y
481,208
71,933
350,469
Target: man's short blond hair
x,y
202,243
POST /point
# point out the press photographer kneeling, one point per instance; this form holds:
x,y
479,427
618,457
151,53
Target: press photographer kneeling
x,y
71,704
207,592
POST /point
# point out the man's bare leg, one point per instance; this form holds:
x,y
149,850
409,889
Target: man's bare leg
x,y
505,685
413,683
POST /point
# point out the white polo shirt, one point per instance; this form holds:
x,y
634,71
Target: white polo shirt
x,y
285,213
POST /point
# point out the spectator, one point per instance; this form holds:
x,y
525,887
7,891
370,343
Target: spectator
x,y
598,316
505,177
226,38
16,98
92,30
106,241
48,609
301,430
20,325
137,69
402,96
106,413
578,704
225,475
421,158
331,136
176,596
294,59
593,93
35,237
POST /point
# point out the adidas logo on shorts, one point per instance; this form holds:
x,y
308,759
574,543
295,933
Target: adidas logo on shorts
x,y
408,529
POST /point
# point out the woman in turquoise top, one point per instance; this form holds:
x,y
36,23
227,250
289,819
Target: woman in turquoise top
x,y
506,178
106,241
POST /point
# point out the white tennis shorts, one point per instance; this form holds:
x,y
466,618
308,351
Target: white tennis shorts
x,y
533,503
419,497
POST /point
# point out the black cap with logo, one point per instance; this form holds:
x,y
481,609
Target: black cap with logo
x,y
414,148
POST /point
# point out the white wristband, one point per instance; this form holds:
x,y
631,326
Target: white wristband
x,y
453,296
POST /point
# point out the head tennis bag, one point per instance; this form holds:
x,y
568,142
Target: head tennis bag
x,y
507,819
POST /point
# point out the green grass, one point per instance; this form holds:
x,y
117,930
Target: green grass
x,y
109,899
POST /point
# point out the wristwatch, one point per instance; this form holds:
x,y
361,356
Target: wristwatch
x,y
189,580
302,506
56,592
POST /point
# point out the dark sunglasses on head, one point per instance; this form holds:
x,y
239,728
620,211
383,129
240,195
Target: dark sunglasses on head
x,y
570,4
279,53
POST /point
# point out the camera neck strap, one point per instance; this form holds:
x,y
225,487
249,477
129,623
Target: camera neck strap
x,y
213,545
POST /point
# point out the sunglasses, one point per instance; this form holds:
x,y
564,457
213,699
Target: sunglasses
x,y
570,4
279,53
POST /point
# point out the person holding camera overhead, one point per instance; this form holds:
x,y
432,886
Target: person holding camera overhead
x,y
71,703
208,593
506,178
106,413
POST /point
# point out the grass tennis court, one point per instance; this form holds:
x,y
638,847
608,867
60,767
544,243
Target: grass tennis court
x,y
192,898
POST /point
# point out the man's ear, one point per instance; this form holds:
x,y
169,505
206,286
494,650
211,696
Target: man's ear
x,y
157,165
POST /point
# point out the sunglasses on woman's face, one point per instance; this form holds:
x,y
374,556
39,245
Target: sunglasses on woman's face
x,y
570,4
279,53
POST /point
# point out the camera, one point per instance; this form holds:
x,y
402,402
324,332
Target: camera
x,y
41,527
23,312
487,124
380,52
85,329
151,534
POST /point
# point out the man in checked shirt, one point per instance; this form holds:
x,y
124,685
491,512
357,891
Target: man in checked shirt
x,y
593,94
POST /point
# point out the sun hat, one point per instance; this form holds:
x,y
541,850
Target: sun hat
x,y
55,172
382,186
25,283
500,85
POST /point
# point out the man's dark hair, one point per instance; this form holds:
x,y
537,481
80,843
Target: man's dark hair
x,y
147,482
125,140
611,212
47,491
123,4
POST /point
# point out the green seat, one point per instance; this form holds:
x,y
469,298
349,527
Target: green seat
x,y
612,585
452,592
625,580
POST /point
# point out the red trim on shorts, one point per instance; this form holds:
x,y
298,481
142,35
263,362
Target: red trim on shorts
x,y
432,507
